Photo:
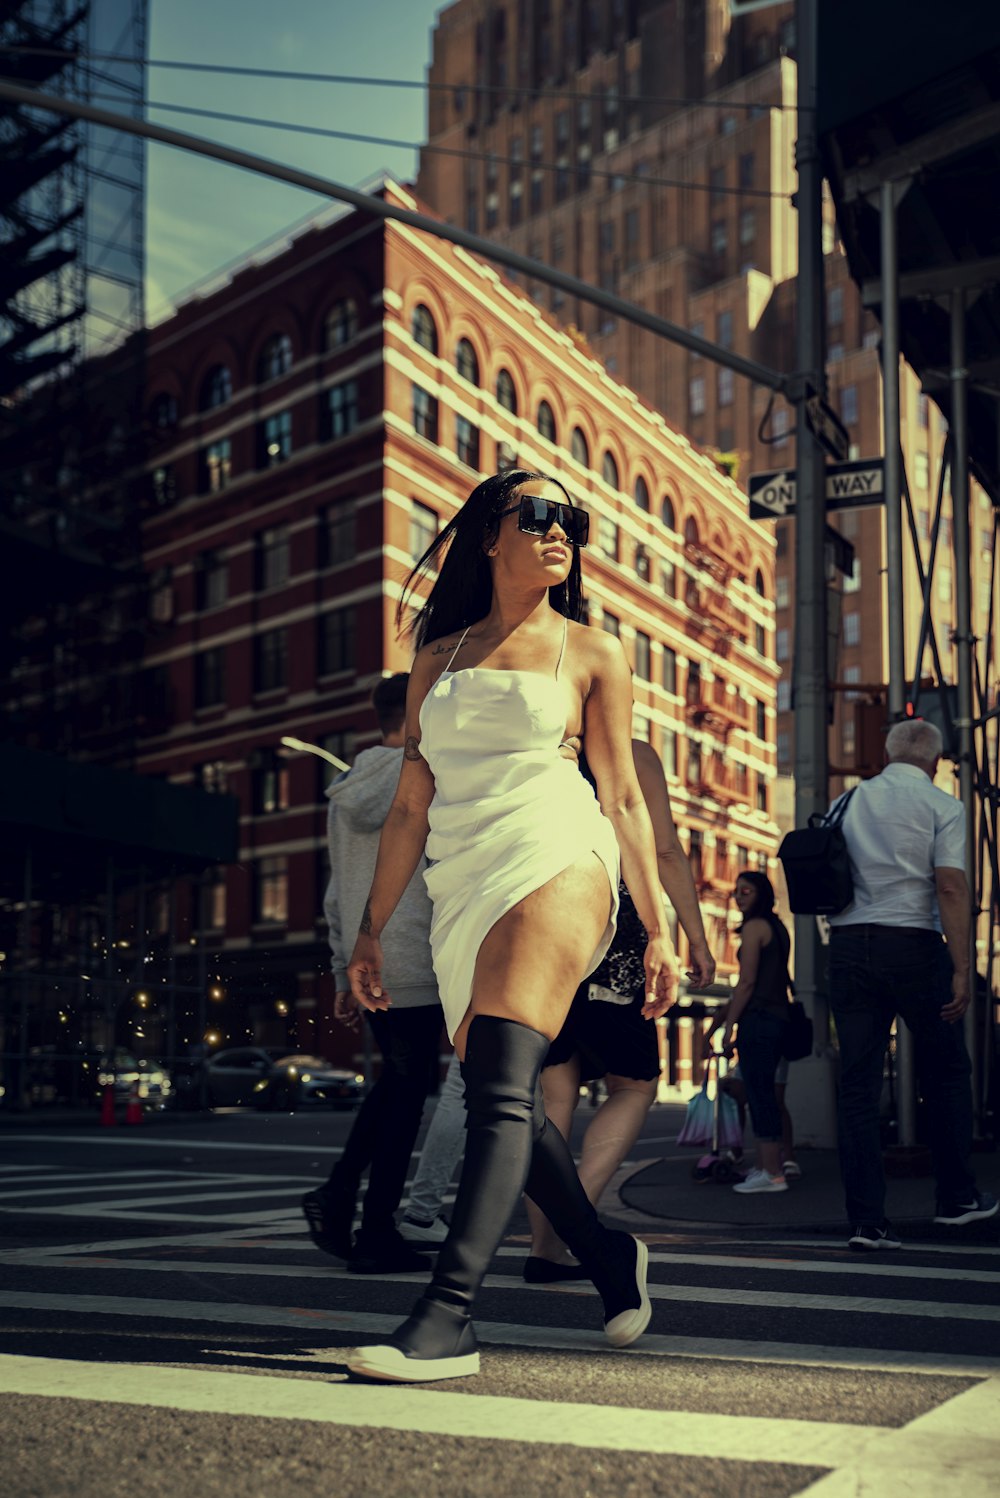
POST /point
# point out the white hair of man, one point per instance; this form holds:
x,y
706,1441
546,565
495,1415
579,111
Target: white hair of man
x,y
914,741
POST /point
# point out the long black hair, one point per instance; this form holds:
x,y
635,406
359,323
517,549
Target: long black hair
x,y
463,589
763,905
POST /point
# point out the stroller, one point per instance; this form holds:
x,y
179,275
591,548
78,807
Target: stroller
x,y
716,1123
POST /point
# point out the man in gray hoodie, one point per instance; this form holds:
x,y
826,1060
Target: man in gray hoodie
x,y
408,1034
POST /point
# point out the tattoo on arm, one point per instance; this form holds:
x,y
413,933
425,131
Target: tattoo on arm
x,y
411,749
366,919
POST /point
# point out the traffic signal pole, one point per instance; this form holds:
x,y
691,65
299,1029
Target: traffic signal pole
x,y
809,688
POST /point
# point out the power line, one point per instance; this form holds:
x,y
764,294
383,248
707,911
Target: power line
x,y
505,90
519,161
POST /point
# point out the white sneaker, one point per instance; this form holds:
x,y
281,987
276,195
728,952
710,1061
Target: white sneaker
x,y
424,1232
759,1180
792,1169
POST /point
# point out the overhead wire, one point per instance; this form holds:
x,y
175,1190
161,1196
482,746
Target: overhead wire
x,y
530,163
504,89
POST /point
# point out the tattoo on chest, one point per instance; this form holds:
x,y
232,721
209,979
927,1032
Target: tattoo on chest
x,y
366,919
411,749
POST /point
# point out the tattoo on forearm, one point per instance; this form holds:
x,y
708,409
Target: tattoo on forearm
x,y
411,749
366,920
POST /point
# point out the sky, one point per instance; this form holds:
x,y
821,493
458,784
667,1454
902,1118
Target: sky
x,y
203,214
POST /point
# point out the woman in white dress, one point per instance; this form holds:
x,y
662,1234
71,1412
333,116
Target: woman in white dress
x,y
505,687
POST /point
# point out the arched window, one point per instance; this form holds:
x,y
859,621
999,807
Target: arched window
x,y
609,470
506,394
667,514
578,447
546,421
423,329
163,412
275,357
341,324
641,494
216,388
691,530
466,362
642,564
758,583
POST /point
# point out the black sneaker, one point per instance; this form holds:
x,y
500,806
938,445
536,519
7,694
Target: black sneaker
x,y
955,1214
330,1218
385,1254
865,1237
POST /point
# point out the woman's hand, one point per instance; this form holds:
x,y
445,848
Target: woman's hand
x,y
364,972
729,1041
345,1009
660,962
702,970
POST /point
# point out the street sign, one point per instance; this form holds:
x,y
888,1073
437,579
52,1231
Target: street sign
x,y
839,552
849,486
827,427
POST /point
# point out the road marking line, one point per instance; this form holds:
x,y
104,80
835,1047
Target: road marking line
x,y
159,1240
509,1334
983,1250
159,1179
882,1269
320,1152
437,1412
220,1219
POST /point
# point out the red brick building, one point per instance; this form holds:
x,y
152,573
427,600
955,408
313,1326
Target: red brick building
x,y
317,417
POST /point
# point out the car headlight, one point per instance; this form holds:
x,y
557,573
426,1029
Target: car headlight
x,y
307,1076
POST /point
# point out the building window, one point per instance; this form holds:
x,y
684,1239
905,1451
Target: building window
x,y
337,535
849,404
782,645
506,457
425,414
760,639
760,720
275,358
668,514
163,485
784,747
761,794
270,785
336,641
546,422
782,592
467,442
852,629
607,537
696,396
642,656
215,900
784,696
216,388
211,776
725,387
921,469
720,237
632,223
423,528
779,427
609,470
669,669
209,677
724,330
668,580
274,440
216,466
340,410
835,306
272,558
341,324
163,412
668,752
578,448
423,329
943,584
271,891
466,362
506,393
746,169
211,581
643,565
270,660
641,494
611,624
852,674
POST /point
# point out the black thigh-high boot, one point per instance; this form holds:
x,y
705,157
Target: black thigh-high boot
x,y
501,1067
615,1261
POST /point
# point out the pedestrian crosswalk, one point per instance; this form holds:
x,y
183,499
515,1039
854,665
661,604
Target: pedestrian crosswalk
x,y
785,1363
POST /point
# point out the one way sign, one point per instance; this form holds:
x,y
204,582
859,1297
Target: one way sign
x,y
848,487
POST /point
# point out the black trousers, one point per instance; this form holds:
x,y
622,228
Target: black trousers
x,y
385,1129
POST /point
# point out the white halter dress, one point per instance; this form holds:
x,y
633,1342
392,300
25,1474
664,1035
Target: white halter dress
x,y
509,811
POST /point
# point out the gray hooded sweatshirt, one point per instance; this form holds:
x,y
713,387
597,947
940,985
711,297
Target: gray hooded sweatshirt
x,y
359,804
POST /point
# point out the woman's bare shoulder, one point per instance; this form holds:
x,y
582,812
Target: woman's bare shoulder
x,y
594,647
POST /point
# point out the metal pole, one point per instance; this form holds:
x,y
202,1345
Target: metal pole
x,y
906,1089
959,377
810,682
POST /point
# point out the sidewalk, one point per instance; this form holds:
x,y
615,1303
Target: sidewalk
x,y
815,1203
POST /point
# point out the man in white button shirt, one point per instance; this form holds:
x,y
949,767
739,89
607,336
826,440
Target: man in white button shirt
x,y
906,842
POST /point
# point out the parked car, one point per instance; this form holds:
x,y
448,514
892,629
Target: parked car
x,y
269,1077
120,1069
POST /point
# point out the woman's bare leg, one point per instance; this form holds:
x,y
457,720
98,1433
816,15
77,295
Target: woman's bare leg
x,y
561,1092
613,1130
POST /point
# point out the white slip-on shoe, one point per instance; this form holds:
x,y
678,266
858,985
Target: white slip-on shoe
x,y
392,1365
628,1326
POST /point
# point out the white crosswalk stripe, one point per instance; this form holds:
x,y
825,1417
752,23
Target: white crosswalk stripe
x,y
188,1286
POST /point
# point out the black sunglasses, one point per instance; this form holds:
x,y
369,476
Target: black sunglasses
x,y
536,517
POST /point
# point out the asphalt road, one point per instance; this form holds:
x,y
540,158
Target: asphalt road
x,y
167,1328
